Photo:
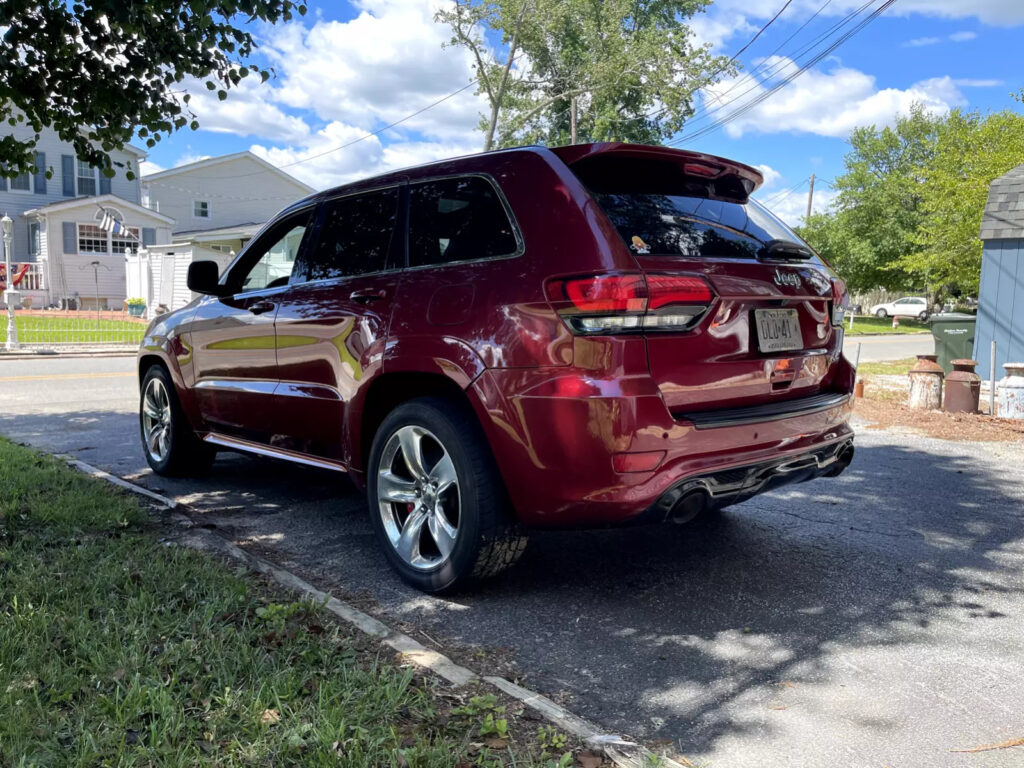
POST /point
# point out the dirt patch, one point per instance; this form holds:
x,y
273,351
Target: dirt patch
x,y
885,409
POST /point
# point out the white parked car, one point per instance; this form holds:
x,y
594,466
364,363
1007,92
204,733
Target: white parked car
x,y
908,306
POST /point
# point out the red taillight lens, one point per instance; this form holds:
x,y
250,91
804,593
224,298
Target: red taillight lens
x,y
606,293
665,290
632,302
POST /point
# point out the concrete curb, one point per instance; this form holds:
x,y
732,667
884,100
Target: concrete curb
x,y
623,753
49,354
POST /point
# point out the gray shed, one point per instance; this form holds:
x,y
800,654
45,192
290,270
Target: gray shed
x,y
1001,295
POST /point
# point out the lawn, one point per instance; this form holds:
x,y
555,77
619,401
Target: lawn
x,y
863,326
119,649
890,368
77,328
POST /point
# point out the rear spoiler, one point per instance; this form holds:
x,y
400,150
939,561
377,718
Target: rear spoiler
x,y
717,170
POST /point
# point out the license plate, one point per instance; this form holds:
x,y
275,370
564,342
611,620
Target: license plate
x,y
778,330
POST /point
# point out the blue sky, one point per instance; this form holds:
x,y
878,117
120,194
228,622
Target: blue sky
x,y
349,68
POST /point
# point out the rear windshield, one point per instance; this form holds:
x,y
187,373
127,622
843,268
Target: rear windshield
x,y
659,211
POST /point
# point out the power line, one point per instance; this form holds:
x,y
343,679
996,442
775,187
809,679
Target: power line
x,y
778,66
714,126
779,196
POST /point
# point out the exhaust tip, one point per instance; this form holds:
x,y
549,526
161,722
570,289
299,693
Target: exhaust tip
x,y
689,506
843,459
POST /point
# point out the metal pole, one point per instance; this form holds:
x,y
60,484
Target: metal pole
x,y
856,360
10,295
992,382
96,286
810,200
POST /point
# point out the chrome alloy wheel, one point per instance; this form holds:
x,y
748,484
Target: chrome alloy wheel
x,y
418,496
156,420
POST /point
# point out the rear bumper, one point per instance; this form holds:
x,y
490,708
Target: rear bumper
x,y
556,452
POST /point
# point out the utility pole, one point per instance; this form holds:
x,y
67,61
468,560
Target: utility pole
x,y
810,199
572,121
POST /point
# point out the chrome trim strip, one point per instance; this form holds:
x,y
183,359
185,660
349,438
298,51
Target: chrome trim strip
x,y
238,444
251,386
307,390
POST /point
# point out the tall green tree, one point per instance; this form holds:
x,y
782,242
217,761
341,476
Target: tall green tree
x,y
880,198
565,70
970,151
98,70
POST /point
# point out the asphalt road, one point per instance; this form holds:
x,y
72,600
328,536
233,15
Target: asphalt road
x,y
878,348
871,620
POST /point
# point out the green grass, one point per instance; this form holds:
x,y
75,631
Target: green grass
x,y
890,368
117,649
81,328
863,326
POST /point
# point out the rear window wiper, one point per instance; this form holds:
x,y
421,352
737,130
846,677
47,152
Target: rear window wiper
x,y
784,250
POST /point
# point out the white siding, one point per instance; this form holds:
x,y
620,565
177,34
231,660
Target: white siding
x,y
16,203
65,273
239,191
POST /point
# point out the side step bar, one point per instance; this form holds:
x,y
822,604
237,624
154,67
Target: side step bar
x,y
754,414
247,446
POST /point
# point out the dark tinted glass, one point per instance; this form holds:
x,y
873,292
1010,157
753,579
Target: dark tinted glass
x,y
658,209
354,238
457,220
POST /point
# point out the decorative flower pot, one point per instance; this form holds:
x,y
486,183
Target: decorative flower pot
x,y
136,310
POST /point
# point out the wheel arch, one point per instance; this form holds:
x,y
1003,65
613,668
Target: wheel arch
x,y
389,390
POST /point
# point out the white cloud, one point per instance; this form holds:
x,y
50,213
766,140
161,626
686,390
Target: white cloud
x,y
384,64
828,103
963,37
771,177
791,207
247,111
920,42
967,82
366,157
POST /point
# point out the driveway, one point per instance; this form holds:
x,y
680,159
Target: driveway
x,y
871,620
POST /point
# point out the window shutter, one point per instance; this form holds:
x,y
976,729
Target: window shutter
x,y
3,183
148,236
70,237
40,174
104,183
67,174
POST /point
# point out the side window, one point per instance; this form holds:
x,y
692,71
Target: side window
x,y
273,266
457,220
354,237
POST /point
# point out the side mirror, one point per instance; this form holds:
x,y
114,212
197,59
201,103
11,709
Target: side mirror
x,y
203,277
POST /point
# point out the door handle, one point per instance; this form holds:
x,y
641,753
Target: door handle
x,y
259,307
367,295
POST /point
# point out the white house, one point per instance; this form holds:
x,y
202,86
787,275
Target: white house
x,y
55,224
217,204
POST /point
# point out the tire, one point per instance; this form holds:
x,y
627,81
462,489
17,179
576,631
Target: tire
x,y
923,317
881,314
464,528
171,446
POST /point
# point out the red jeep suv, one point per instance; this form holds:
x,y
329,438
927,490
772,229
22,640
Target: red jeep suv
x,y
584,336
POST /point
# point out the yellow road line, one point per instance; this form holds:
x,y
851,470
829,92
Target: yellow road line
x,y
53,376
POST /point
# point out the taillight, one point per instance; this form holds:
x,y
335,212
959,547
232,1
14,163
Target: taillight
x,y
839,300
622,303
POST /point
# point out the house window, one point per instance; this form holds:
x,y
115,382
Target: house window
x,y
91,239
22,183
86,178
33,238
127,242
201,209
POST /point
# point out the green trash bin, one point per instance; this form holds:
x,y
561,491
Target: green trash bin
x,y
954,337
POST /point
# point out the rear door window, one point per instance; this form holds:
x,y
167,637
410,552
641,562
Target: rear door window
x,y
458,219
354,237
